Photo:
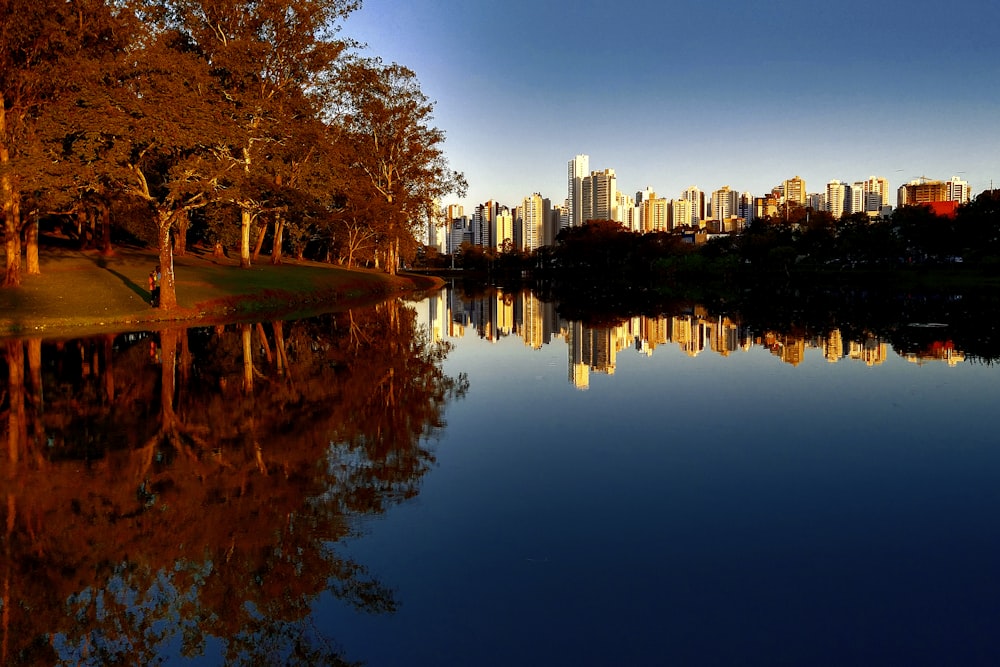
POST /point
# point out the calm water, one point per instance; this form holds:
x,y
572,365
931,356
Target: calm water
x,y
477,481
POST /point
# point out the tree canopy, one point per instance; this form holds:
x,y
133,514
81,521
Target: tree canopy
x,y
212,120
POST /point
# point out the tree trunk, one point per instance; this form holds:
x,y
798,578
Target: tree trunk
x,y
168,368
245,331
108,369
279,230
91,229
104,212
17,419
9,208
81,226
279,347
168,288
31,246
392,257
12,234
260,243
245,220
180,234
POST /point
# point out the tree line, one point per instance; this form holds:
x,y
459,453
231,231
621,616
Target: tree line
x,y
226,122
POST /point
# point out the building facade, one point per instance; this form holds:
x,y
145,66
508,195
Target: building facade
x,y
577,170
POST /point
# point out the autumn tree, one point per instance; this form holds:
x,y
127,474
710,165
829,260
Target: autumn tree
x,y
42,47
268,58
394,154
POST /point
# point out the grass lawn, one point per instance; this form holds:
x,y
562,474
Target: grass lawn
x,y
83,291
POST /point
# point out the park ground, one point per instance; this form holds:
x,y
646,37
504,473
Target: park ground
x,y
83,291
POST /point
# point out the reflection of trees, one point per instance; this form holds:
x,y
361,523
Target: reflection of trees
x,y
188,486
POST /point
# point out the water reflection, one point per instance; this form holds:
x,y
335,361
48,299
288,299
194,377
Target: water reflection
x,y
180,494
186,493
695,329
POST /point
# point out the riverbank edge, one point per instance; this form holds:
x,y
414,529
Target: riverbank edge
x,y
75,316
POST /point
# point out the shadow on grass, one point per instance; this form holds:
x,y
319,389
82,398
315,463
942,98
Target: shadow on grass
x,y
143,294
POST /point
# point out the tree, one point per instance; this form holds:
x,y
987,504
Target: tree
x,y
42,48
979,224
269,59
394,155
147,125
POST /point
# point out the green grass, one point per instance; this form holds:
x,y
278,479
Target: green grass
x,y
80,291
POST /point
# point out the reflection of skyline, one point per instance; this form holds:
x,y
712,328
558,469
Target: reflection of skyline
x,y
497,314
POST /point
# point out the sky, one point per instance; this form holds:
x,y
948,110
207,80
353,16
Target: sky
x,y
709,93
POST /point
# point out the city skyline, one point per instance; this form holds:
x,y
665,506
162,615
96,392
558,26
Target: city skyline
x,y
904,91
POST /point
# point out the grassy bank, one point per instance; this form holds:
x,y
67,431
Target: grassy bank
x,y
84,292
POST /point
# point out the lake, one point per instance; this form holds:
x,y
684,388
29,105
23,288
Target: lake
x,y
477,479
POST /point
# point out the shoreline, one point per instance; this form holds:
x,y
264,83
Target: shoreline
x,y
82,292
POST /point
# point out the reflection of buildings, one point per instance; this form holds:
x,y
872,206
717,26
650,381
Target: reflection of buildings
x,y
533,330
937,351
872,351
497,314
833,350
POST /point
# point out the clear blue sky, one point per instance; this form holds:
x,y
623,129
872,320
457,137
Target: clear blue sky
x,y
701,92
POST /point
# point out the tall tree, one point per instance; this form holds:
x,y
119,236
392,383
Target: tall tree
x,y
394,153
265,56
41,45
148,125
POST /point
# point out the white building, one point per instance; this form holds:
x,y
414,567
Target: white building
x,y
836,198
958,190
577,170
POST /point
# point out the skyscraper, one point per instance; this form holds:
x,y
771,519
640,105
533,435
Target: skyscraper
x,y
725,203
876,190
697,199
655,215
958,190
836,197
795,191
535,213
603,187
680,213
577,169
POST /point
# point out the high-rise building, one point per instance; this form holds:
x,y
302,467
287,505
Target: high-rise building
x,y
577,170
922,191
794,190
655,215
697,199
876,193
680,214
484,224
836,198
958,190
622,210
504,227
816,201
603,187
745,210
534,214
643,195
725,203
857,199
766,206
